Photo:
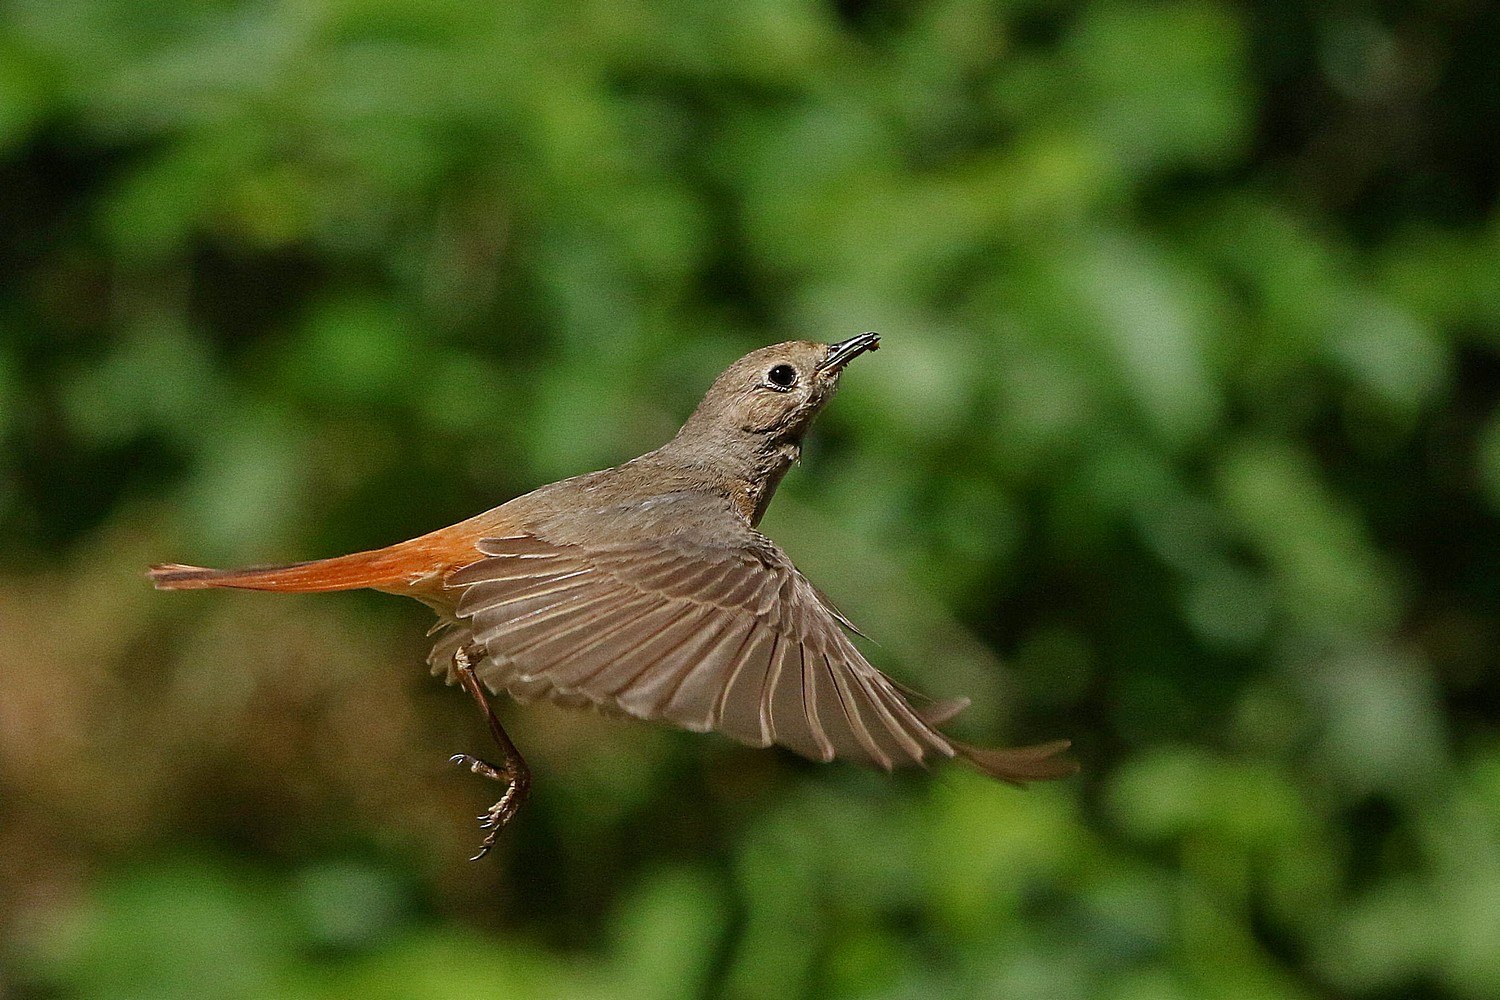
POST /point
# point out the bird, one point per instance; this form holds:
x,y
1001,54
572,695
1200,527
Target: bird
x,y
647,590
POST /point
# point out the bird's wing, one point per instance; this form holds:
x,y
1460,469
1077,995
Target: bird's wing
x,y
692,630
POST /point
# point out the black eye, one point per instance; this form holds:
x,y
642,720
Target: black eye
x,y
782,376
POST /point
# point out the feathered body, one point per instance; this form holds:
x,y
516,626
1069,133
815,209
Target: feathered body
x,y
647,589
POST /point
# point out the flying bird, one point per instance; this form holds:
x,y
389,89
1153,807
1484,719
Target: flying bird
x,y
646,590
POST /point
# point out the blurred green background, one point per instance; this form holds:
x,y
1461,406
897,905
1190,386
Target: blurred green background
x,y
1185,443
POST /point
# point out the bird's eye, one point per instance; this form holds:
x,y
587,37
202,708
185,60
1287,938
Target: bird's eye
x,y
782,376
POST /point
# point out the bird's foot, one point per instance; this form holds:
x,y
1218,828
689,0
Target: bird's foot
x,y
513,774
517,787
477,766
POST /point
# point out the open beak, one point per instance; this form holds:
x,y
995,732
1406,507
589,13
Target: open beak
x,y
840,354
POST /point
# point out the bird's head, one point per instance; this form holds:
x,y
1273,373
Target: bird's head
x,y
774,393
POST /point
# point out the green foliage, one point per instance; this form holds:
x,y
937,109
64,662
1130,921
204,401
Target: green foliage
x,y
1183,442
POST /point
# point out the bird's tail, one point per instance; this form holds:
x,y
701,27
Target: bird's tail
x,y
379,567
1019,765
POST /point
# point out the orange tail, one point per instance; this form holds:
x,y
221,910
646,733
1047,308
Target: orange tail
x,y
362,569
396,567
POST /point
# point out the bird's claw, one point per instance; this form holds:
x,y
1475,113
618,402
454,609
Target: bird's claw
x,y
518,784
494,821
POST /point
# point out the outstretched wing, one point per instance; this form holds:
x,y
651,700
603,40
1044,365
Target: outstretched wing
x,y
705,635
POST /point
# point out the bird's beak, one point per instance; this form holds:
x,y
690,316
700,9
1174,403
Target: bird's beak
x,y
839,354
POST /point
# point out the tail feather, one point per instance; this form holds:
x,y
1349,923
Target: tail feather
x,y
362,569
1019,765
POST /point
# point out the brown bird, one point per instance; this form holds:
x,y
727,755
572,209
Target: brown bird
x,y
646,589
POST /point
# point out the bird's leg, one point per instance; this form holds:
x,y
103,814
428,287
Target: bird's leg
x,y
513,772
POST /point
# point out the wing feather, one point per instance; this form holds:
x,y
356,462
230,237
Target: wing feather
x,y
849,705
691,629
654,688
535,592
513,625
608,683
810,702
784,704
739,714
572,664
694,703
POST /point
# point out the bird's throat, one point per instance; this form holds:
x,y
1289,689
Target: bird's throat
x,y
759,489
744,468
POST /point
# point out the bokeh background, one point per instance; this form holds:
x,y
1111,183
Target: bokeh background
x,y
1185,443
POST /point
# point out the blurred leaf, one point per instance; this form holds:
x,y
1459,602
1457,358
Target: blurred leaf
x,y
1387,353
667,938
1153,333
1328,576
1382,725
23,96
157,379
1487,459
184,930
1167,81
